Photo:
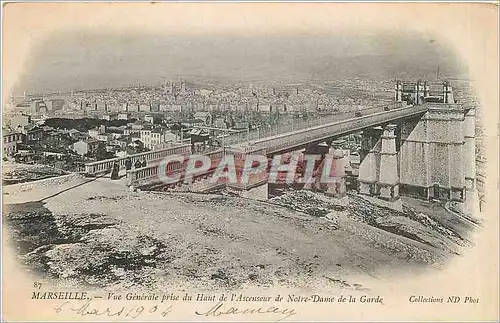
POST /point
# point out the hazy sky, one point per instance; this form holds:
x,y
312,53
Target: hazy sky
x,y
84,61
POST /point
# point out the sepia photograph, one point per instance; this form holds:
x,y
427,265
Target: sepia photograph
x,y
249,161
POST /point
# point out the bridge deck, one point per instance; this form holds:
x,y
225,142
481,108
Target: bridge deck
x,y
278,143
318,133
287,126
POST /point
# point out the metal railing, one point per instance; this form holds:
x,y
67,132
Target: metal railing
x,y
293,124
322,132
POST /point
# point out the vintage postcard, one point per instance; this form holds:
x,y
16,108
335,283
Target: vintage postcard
x,y
217,161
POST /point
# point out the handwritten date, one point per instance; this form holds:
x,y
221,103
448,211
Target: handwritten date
x,y
133,312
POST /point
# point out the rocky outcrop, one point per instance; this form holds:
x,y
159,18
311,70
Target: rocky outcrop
x,y
89,248
308,202
409,223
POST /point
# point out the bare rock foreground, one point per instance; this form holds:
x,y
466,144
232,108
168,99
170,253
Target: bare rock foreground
x,y
101,235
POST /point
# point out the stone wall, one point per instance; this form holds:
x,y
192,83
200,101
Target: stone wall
x,y
431,157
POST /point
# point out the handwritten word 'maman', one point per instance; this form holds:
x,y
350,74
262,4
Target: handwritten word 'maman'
x,y
220,309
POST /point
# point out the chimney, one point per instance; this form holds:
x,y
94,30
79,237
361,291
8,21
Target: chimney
x,y
398,91
421,91
447,93
417,92
427,89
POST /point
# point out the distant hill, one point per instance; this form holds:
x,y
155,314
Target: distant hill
x,y
73,62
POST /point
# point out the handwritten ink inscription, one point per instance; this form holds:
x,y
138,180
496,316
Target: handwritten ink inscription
x,y
221,309
157,305
91,309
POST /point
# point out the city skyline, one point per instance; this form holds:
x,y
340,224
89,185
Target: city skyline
x,y
84,61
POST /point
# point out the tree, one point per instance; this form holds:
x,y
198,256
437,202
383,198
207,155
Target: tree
x,y
177,126
101,152
84,124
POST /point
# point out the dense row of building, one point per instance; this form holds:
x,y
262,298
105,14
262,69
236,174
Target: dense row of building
x,y
222,106
126,139
179,100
